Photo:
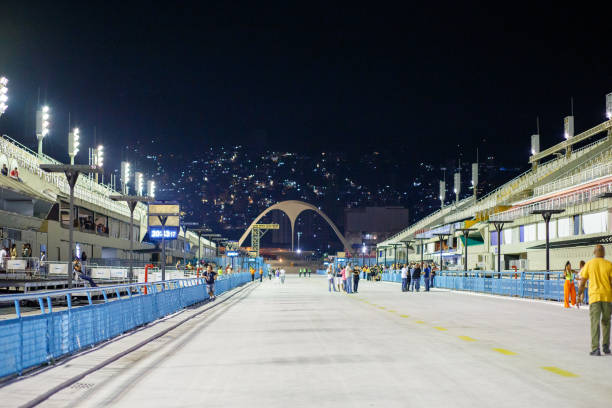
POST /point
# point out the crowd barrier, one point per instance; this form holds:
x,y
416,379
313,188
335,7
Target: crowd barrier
x,y
29,341
533,285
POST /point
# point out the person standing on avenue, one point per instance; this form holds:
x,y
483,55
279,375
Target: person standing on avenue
x,y
349,278
416,278
598,272
330,277
282,275
356,273
426,276
569,289
404,272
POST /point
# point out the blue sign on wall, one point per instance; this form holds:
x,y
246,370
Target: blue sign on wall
x,y
340,259
231,253
155,232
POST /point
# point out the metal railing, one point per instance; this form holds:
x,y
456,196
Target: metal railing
x,y
583,176
534,285
29,341
586,195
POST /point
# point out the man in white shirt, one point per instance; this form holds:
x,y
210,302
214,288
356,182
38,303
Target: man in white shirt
x,y
3,257
404,272
282,275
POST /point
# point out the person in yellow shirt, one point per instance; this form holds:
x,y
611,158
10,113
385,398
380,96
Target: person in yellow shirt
x,y
252,270
598,272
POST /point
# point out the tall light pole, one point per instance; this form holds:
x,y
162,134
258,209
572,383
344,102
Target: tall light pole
x,y
125,177
99,159
546,215
72,174
199,231
132,202
499,226
3,95
299,234
441,236
139,183
151,188
43,123
73,144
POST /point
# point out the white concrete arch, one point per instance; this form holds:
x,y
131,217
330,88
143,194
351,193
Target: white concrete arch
x,y
293,208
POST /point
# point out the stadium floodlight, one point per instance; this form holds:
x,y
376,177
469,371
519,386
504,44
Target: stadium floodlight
x,y
73,143
43,124
151,188
139,182
100,156
125,176
3,95
609,105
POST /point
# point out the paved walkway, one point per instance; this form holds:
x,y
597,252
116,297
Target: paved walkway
x,y
296,345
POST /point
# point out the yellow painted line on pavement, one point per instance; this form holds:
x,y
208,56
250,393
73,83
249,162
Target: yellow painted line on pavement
x,y
404,316
504,351
466,338
381,307
559,371
441,328
420,322
391,311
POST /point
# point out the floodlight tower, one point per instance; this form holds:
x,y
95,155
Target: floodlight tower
x,y
3,94
139,182
43,118
73,144
125,177
99,159
151,188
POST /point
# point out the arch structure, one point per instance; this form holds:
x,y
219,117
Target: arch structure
x,y
293,208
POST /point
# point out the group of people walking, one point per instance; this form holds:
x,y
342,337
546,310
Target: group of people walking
x,y
411,277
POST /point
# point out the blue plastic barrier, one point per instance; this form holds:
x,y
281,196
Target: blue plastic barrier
x,y
520,284
33,340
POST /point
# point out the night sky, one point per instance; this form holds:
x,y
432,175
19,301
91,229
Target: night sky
x,y
306,78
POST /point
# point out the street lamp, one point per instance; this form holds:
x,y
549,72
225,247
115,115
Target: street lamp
x,y
441,236
43,123
72,174
73,144
125,177
131,201
466,233
200,231
546,215
3,94
499,226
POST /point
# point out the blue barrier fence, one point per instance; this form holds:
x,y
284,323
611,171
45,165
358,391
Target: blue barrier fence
x,y
534,285
33,340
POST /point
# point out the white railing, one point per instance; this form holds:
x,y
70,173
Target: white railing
x,y
86,189
586,195
582,177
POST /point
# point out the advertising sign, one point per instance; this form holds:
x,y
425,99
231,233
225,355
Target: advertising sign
x,y
231,253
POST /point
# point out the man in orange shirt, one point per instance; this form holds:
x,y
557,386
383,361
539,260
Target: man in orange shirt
x,y
598,272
